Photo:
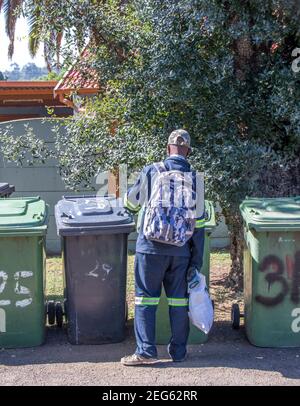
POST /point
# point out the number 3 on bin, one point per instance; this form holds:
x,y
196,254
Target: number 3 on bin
x,y
272,277
272,261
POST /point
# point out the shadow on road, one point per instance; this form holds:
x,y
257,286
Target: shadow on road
x,y
226,348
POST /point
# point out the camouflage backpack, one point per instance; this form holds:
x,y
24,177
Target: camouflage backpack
x,y
171,210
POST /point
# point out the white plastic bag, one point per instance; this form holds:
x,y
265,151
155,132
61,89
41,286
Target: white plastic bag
x,y
201,312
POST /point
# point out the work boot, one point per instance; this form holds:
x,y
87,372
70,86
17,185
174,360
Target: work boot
x,y
136,359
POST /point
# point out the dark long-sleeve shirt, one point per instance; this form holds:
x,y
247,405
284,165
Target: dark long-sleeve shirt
x,y
135,200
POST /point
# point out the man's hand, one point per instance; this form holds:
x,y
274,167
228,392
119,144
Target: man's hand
x,y
191,272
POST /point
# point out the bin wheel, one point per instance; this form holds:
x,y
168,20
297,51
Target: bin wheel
x,y
51,312
65,309
126,311
235,316
59,314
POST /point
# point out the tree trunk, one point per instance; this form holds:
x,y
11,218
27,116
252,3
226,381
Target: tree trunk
x,y
235,277
243,57
244,63
235,227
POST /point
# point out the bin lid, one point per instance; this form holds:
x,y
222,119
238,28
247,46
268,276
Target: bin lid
x,y
22,212
6,189
86,212
3,187
272,214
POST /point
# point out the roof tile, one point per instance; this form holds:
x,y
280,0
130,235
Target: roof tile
x,y
79,76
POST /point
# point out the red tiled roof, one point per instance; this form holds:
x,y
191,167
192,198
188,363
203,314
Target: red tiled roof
x,y
79,77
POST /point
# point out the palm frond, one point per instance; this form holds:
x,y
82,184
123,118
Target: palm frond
x,y
47,57
12,9
34,32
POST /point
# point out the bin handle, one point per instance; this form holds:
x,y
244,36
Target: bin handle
x,y
86,196
69,216
72,198
125,210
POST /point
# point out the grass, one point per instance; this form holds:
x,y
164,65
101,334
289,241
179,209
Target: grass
x,y
219,267
220,257
54,278
223,296
130,285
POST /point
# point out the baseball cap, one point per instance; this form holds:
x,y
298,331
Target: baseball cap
x,y
180,137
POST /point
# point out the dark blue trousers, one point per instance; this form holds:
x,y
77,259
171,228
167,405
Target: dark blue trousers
x,y
151,272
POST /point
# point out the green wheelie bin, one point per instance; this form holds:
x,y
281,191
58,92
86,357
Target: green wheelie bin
x,y
23,225
163,329
271,272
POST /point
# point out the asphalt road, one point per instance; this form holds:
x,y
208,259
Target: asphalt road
x,y
227,359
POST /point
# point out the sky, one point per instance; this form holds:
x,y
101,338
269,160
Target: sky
x,y
21,55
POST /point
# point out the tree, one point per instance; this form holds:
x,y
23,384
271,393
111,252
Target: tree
x,y
12,13
52,76
221,69
30,71
15,72
42,28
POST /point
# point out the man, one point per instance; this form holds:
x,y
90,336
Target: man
x,y
157,263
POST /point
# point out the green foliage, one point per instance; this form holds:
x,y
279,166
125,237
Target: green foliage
x,y
25,148
52,76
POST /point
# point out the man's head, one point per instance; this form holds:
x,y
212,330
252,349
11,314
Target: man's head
x,y
179,143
